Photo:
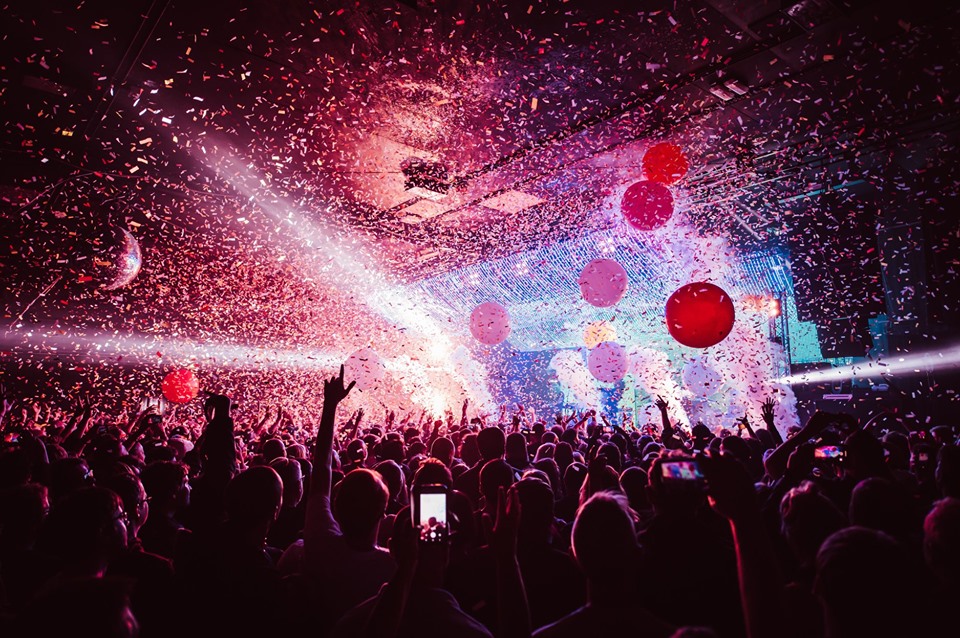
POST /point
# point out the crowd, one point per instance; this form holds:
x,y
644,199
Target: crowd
x,y
573,526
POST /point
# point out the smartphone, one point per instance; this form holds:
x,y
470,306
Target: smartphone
x,y
681,471
154,419
922,457
430,513
834,452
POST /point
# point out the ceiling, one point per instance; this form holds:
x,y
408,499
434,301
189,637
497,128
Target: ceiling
x,y
202,127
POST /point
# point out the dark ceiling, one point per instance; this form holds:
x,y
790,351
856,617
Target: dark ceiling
x,y
171,116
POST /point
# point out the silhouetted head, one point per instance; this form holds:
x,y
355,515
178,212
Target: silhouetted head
x,y
273,449
166,484
859,573
356,452
634,481
253,497
536,510
443,450
941,542
573,479
130,490
433,472
807,518
494,475
469,452
491,442
879,504
604,540
516,450
360,503
864,456
291,474
88,527
393,477
68,475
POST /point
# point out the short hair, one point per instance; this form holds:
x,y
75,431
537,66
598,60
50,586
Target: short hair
x,y
433,471
861,571
163,479
495,474
443,449
272,449
491,443
360,502
254,495
604,537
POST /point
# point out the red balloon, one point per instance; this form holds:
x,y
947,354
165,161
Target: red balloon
x,y
647,205
700,315
180,386
665,163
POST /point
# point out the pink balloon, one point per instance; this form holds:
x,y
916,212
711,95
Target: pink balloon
x,y
603,282
490,323
608,362
647,205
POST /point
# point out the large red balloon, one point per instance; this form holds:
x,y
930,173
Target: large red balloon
x,y
700,315
647,205
665,163
180,386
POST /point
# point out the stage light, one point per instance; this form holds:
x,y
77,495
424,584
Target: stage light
x,y
774,309
906,365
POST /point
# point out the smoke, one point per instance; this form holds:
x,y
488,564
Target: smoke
x,y
575,378
654,375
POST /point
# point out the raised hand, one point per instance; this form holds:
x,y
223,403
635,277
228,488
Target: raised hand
x,y
766,410
463,412
661,404
334,391
217,406
730,489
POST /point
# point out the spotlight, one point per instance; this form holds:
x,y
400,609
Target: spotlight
x,y
918,363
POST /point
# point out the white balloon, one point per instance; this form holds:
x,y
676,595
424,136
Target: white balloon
x,y
366,368
608,362
701,378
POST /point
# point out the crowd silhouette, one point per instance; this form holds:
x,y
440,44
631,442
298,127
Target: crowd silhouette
x,y
572,526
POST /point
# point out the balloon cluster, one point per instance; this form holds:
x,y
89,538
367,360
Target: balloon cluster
x,y
698,315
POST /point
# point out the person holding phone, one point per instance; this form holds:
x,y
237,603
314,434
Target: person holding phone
x,y
414,602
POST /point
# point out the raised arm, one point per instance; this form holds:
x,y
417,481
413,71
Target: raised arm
x,y
333,393
766,411
776,462
733,496
669,436
513,611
